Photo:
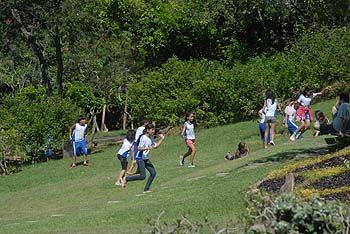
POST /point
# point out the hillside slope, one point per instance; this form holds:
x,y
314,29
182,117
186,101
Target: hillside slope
x,y
52,198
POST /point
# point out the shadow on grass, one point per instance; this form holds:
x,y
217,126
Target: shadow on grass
x,y
282,157
333,144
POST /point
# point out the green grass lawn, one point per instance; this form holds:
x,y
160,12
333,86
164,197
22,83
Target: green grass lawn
x,y
52,198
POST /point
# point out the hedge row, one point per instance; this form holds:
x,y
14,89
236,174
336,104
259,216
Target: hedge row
x,y
223,95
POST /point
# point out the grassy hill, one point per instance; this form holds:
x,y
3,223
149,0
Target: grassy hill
x,y
52,198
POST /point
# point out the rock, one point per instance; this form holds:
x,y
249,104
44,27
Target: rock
x,y
288,186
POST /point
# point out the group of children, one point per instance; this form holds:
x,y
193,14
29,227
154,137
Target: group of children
x,y
298,115
139,144
297,119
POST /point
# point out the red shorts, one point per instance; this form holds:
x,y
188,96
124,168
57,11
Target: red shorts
x,y
304,113
190,141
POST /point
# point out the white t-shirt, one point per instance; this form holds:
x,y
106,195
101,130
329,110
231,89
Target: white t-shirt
x,y
306,101
290,111
146,142
125,149
79,132
262,114
189,133
270,107
139,132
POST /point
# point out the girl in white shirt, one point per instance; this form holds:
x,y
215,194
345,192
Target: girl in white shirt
x,y
126,149
270,108
304,112
188,134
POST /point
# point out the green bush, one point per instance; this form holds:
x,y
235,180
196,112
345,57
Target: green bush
x,y
29,118
288,214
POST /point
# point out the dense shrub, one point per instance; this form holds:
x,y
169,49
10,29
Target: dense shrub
x,y
29,118
288,214
224,95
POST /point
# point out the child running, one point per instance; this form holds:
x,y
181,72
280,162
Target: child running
x,y
146,144
188,134
289,117
304,112
126,149
140,131
262,126
270,108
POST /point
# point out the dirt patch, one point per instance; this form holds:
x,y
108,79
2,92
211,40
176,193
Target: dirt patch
x,y
332,182
332,162
274,185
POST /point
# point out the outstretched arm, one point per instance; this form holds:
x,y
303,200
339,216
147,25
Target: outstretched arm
x,y
161,136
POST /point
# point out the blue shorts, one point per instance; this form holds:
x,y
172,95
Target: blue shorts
x,y
292,127
79,147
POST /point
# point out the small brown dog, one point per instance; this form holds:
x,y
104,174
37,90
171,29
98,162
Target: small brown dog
x,y
242,151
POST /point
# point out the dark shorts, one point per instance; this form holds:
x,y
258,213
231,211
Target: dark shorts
x,y
326,129
270,119
123,162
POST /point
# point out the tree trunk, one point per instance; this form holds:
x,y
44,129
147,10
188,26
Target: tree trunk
x,y
125,114
38,50
103,125
59,61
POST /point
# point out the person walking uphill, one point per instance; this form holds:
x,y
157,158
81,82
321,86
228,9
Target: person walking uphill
x,y
146,144
77,133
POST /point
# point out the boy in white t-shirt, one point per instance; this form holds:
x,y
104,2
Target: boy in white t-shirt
x,y
77,134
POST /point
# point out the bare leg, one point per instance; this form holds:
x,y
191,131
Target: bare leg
x,y
74,161
121,175
131,168
85,159
272,131
193,152
266,134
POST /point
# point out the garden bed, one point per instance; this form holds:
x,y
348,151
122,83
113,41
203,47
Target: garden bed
x,y
325,176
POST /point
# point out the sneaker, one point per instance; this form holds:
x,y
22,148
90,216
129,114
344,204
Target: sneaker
x,y
148,191
73,165
118,183
300,136
191,166
272,143
182,161
85,164
292,138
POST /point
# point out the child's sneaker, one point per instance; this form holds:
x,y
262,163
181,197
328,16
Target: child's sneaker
x,y
298,135
118,183
191,165
272,143
148,191
85,164
73,165
182,161
292,138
